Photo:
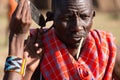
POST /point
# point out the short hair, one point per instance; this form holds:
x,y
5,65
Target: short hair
x,y
57,3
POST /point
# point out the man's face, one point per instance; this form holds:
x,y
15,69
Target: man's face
x,y
73,21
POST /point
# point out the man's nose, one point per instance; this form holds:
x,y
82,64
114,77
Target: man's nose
x,y
77,24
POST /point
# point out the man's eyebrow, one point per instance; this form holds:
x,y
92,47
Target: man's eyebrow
x,y
85,11
66,13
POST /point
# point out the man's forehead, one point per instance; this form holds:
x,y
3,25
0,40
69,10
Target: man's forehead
x,y
71,1
75,1
66,3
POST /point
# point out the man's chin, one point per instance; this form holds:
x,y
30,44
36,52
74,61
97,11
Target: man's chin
x,y
73,46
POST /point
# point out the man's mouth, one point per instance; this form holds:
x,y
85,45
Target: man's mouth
x,y
76,39
74,42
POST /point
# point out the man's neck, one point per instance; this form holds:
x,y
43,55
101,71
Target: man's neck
x,y
73,52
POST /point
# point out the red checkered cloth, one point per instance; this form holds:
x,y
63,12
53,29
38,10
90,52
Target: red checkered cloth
x,y
96,60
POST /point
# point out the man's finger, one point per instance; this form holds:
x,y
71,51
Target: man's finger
x,y
19,8
36,44
29,13
40,52
25,55
25,11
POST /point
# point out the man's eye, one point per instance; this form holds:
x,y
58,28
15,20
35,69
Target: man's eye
x,y
64,18
84,16
67,18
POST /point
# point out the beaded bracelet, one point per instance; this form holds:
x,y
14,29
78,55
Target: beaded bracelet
x,y
15,64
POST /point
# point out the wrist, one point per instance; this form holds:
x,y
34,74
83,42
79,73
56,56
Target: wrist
x,y
16,45
22,35
15,64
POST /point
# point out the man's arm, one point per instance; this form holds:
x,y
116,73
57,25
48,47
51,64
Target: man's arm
x,y
16,47
19,26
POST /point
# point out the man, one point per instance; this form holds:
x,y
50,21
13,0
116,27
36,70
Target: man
x,y
69,50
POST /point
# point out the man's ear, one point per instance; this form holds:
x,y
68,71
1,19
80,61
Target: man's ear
x,y
50,16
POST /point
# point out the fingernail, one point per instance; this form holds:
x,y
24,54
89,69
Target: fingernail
x,y
36,44
28,2
38,52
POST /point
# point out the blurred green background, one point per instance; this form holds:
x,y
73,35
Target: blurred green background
x,y
107,18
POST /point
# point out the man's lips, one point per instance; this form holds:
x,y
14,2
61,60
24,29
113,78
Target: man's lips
x,y
75,39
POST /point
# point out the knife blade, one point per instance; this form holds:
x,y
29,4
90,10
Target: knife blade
x,y
35,13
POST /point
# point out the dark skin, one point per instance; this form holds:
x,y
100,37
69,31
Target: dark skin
x,y
72,21
19,27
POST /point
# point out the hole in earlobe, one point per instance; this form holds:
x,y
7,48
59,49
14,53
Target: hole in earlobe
x,y
42,21
50,16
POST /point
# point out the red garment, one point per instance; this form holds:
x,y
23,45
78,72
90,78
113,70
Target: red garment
x,y
96,61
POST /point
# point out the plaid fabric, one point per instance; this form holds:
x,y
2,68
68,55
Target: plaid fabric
x,y
95,62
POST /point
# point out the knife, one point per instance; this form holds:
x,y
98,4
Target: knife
x,y
36,15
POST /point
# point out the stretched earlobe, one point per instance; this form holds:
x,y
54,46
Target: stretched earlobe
x,y
42,21
50,16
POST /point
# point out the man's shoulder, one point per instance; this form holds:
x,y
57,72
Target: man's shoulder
x,y
101,33
34,31
101,36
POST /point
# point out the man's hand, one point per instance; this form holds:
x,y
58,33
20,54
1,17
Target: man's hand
x,y
34,49
19,26
33,53
21,18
